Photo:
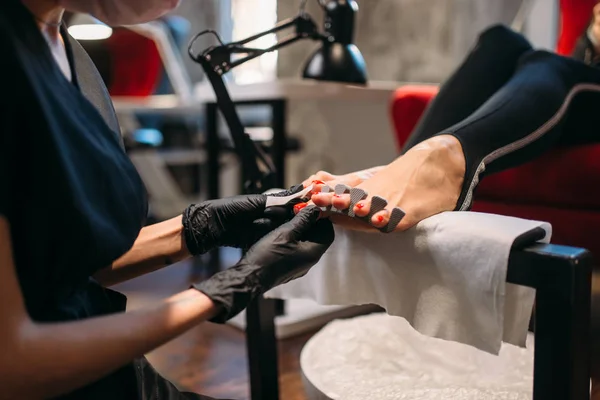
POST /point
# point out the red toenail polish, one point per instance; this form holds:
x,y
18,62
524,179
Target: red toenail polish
x,y
337,196
298,207
380,218
360,205
318,182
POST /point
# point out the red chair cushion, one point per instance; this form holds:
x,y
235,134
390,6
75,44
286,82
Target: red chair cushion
x,y
408,104
563,177
575,16
137,66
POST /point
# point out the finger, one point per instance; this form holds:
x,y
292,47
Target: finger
x,y
262,227
246,207
292,190
302,223
278,213
322,232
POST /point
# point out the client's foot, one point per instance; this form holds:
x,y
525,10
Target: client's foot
x,y
352,179
425,181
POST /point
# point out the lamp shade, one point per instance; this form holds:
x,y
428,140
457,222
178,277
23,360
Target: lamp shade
x,y
86,27
338,59
337,62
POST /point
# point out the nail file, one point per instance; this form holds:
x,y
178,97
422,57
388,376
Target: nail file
x,y
273,201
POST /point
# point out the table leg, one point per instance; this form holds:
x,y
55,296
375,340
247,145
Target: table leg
x,y
562,334
260,317
279,113
262,349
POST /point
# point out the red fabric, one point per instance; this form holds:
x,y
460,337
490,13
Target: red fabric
x,y
561,187
564,177
136,64
408,104
575,16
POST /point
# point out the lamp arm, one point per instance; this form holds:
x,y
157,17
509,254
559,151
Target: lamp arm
x,y
216,61
257,166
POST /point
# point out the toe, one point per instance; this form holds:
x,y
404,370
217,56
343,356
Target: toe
x,y
322,199
380,219
362,208
341,201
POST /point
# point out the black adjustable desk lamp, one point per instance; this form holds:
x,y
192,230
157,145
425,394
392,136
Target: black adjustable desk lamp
x,y
337,59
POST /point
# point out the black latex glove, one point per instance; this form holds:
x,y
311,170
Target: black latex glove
x,y
285,254
237,221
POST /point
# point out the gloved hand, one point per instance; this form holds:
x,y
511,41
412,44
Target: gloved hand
x,y
237,221
285,254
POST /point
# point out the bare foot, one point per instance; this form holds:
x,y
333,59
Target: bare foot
x,y
352,179
425,181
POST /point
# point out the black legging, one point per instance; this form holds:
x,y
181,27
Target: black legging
x,y
508,103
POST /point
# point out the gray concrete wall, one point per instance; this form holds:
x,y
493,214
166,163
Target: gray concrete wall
x,y
408,40
204,14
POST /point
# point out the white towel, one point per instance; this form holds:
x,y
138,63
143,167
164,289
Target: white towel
x,y
446,276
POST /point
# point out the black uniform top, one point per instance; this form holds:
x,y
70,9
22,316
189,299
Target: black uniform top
x,y
73,199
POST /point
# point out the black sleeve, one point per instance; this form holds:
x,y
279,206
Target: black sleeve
x,y
8,103
4,176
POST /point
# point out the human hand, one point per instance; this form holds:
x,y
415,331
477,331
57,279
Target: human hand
x,y
425,181
237,221
284,254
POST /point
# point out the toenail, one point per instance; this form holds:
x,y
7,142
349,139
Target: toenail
x,y
298,207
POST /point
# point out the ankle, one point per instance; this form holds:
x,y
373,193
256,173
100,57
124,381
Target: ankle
x,y
445,150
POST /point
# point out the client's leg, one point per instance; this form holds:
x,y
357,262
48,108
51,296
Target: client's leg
x,y
489,65
520,121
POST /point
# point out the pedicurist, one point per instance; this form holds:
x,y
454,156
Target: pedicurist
x,y
72,210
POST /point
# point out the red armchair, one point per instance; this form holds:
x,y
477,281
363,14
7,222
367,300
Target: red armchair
x,y
561,187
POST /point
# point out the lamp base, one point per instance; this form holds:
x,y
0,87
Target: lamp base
x,y
337,62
